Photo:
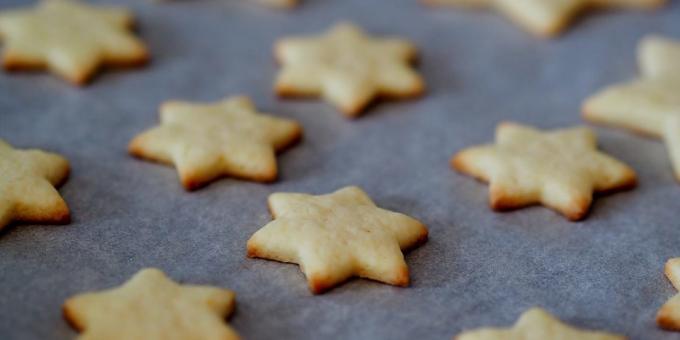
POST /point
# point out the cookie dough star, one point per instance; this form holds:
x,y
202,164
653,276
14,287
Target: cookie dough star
x,y
559,169
207,141
336,236
668,316
649,105
151,306
27,180
537,324
70,38
347,68
546,18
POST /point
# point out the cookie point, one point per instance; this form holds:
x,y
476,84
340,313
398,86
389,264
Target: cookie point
x,y
631,180
352,112
296,136
402,279
456,162
578,210
79,79
67,310
59,213
424,234
318,286
192,184
144,57
270,176
576,216
499,201
587,111
133,147
283,90
665,319
552,32
67,169
279,46
507,124
63,216
149,272
251,249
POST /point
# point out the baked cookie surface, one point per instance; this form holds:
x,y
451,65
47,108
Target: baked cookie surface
x,y
208,141
337,236
347,67
559,169
547,18
70,38
537,324
650,104
27,180
152,306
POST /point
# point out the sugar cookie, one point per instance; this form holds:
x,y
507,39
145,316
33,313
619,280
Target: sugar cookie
x,y
152,306
336,236
347,68
650,104
546,18
207,141
70,38
560,169
27,180
537,324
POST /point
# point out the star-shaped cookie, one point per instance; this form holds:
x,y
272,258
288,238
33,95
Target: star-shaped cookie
x,y
337,236
152,306
207,141
70,38
537,324
668,316
27,180
546,18
649,105
560,169
347,68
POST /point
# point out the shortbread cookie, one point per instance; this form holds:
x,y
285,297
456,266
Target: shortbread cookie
x,y
546,18
27,180
151,306
668,316
207,141
649,105
559,169
70,38
336,236
537,324
347,68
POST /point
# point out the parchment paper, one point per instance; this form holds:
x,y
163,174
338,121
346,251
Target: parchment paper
x,y
479,268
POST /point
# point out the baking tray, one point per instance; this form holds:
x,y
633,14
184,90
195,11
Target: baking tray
x,y
479,268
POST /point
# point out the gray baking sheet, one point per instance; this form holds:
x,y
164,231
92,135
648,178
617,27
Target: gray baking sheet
x,y
479,268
